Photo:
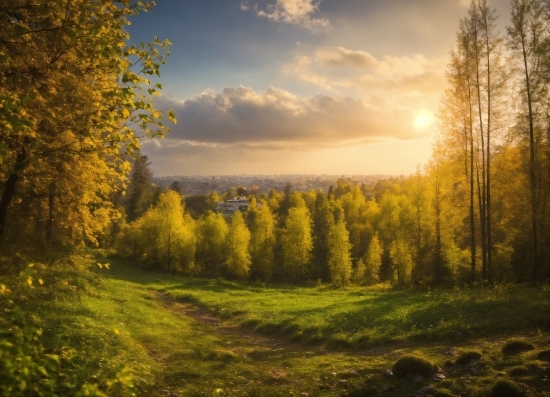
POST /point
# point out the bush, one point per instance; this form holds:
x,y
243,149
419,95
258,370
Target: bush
x,y
412,365
515,345
506,388
519,371
466,356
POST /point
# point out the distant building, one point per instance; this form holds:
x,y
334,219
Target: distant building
x,y
228,207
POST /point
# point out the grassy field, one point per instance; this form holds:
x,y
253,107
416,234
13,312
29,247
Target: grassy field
x,y
152,334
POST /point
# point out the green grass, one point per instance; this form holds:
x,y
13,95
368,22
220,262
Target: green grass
x,y
198,337
361,316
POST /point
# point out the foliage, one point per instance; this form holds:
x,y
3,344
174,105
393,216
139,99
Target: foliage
x,y
32,363
339,258
237,248
410,364
297,242
465,357
516,345
72,91
506,388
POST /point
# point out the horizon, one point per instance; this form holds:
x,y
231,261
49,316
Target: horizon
x,y
319,86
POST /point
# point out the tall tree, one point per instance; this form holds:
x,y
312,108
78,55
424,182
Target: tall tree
x,y
139,195
212,230
297,243
339,256
237,254
525,36
262,229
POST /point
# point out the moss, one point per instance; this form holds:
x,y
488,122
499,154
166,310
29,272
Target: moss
x,y
519,371
516,345
544,355
467,356
506,388
443,393
411,365
449,363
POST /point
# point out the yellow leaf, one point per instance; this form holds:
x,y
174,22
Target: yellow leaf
x,y
40,281
29,281
116,331
100,265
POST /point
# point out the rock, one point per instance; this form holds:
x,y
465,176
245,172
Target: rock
x,y
439,377
387,373
425,389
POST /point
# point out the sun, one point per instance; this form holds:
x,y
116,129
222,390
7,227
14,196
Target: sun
x,y
423,118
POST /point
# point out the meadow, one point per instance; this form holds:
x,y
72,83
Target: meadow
x,y
134,332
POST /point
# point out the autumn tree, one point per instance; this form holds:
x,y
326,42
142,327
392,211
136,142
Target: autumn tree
x,y
339,255
297,242
373,260
212,231
527,32
237,241
72,94
262,230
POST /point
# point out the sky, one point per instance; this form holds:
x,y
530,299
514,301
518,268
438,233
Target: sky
x,y
339,87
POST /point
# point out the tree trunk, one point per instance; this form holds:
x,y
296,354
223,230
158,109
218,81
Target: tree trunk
x,y
9,190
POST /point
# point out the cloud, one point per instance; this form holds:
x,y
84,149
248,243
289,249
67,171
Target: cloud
x,y
337,67
341,56
298,12
275,118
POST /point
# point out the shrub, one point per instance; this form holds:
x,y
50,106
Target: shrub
x,y
466,356
411,365
519,371
515,345
506,388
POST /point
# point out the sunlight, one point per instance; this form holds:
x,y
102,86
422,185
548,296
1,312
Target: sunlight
x,y
423,118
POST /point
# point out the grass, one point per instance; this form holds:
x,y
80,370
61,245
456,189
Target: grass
x,y
196,337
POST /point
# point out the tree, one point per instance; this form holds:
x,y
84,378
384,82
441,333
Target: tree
x,y
212,231
323,221
373,260
339,257
139,195
71,93
262,230
297,243
358,275
237,256
526,34
169,213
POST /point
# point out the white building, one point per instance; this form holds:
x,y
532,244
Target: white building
x,y
227,208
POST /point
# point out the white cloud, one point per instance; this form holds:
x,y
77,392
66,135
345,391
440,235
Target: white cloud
x,y
338,67
341,56
298,12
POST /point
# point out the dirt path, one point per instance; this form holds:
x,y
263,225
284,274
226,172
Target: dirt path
x,y
239,339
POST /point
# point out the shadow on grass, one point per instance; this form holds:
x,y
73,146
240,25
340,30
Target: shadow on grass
x,y
347,318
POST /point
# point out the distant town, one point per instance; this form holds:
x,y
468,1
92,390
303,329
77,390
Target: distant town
x,y
201,185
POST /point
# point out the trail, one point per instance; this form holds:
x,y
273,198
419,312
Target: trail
x,y
239,339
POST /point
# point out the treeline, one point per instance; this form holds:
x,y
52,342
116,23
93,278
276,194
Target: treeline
x,y
478,211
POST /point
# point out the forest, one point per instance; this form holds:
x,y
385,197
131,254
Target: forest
x,y
77,100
